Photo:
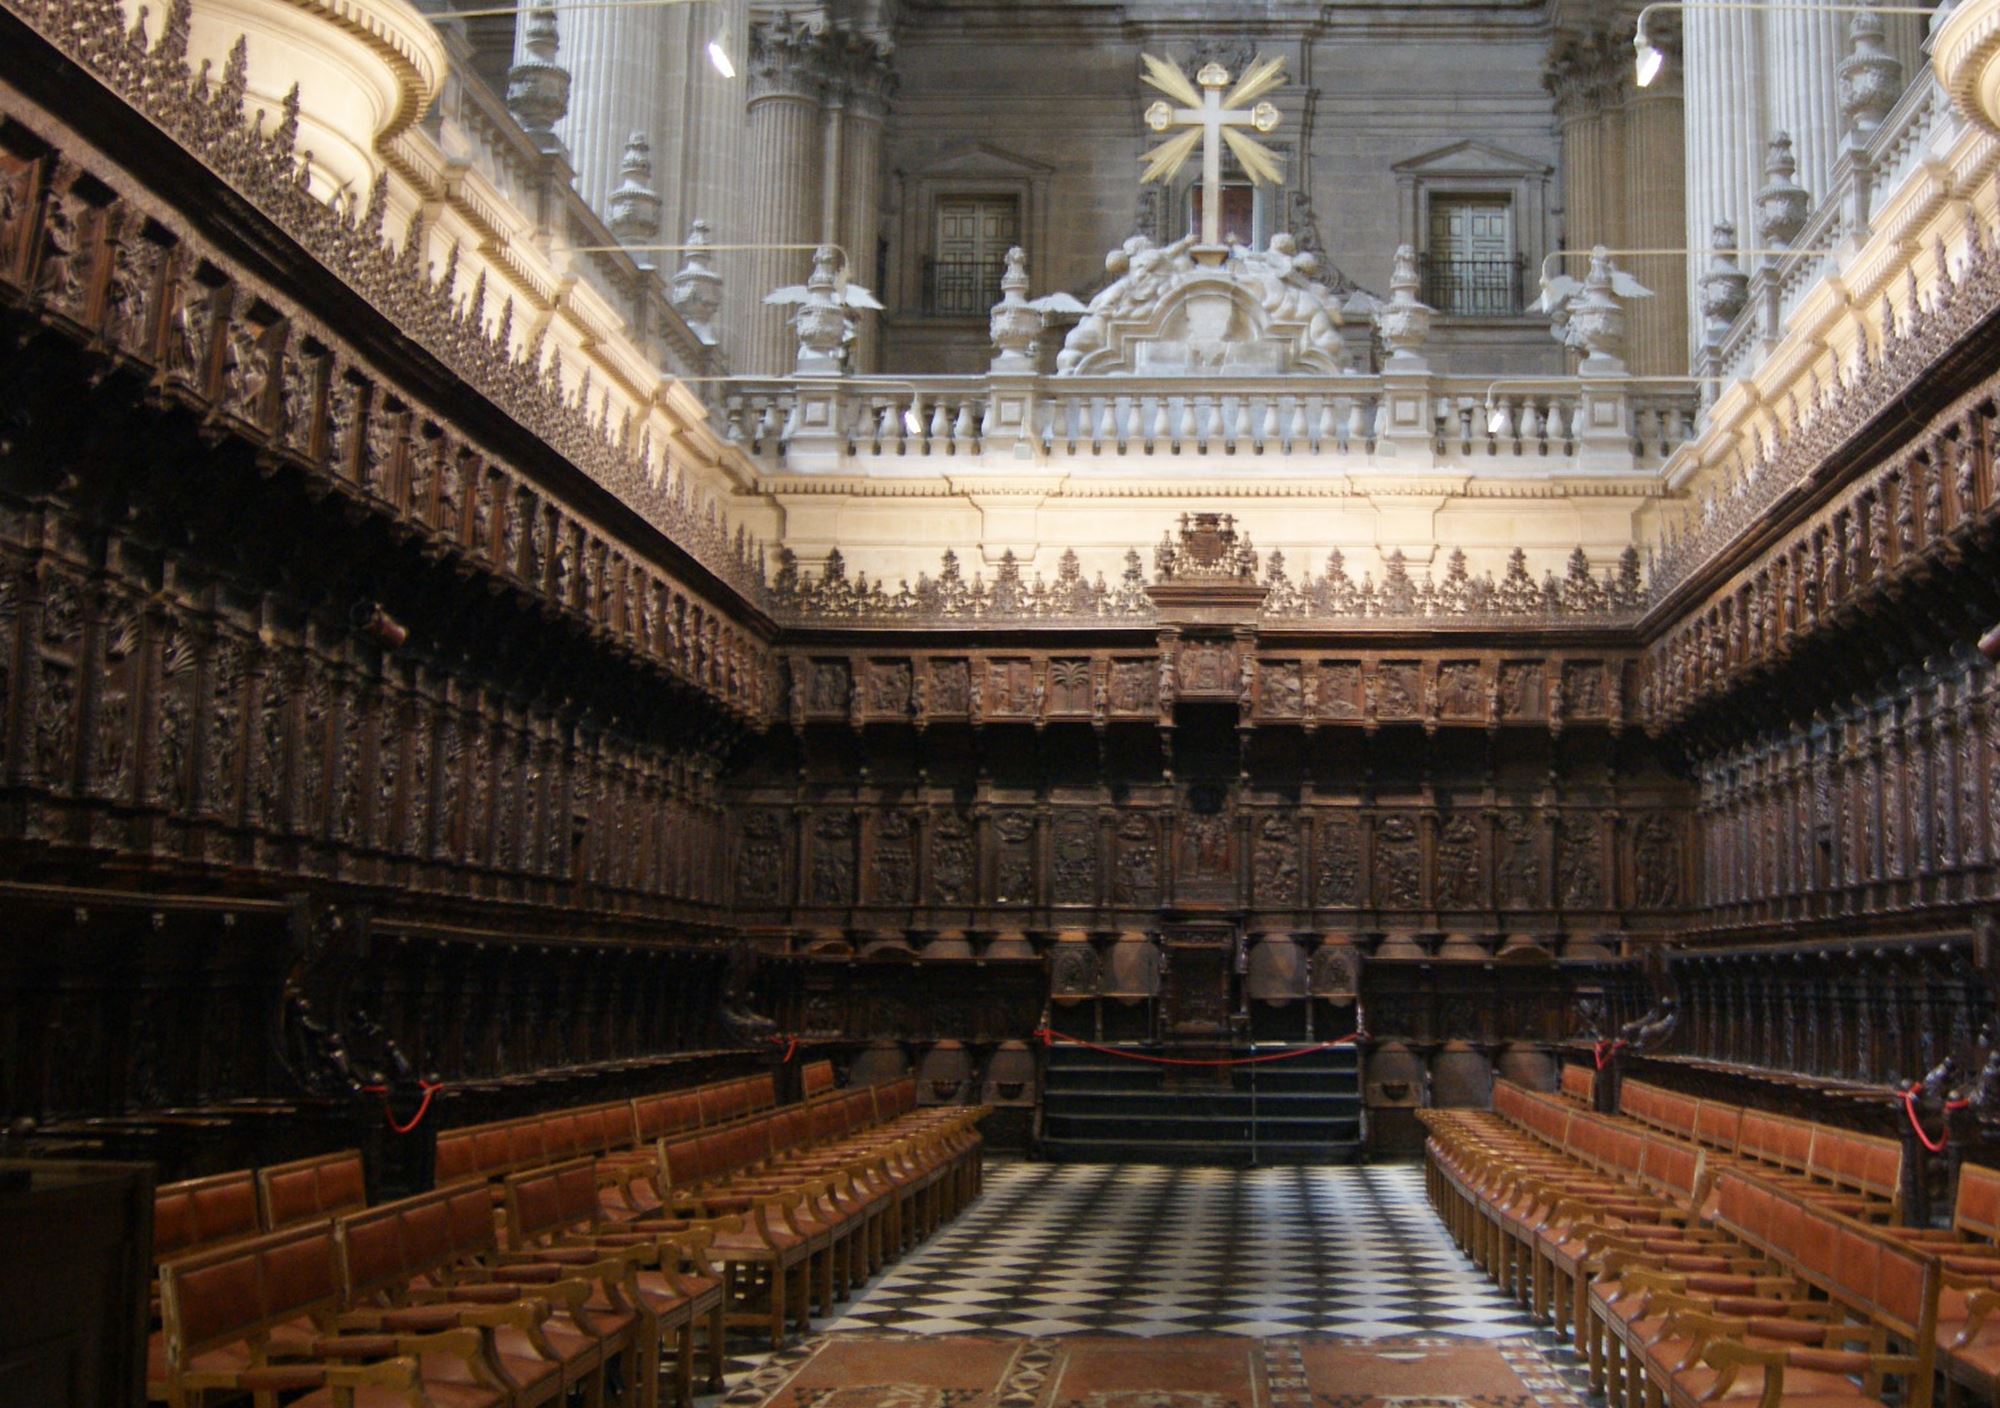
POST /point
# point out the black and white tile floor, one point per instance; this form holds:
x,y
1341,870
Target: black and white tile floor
x,y
1052,1249
1136,1249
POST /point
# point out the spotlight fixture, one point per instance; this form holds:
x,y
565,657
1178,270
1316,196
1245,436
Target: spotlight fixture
x,y
719,56
1651,60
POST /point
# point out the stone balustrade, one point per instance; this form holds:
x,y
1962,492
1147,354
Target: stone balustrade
x,y
1313,425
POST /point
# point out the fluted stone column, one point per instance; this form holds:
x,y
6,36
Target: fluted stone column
x,y
708,111
1623,181
782,181
1656,184
860,217
1723,84
612,60
1804,49
1575,76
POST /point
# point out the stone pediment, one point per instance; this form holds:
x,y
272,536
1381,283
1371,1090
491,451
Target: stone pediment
x,y
1258,313
984,161
1472,158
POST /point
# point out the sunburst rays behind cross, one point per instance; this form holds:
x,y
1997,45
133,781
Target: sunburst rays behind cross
x,y
1210,119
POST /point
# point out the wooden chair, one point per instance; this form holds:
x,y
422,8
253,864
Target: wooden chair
x,y
311,1190
249,1318
554,1214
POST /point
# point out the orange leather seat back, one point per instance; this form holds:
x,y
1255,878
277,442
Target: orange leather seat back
x,y
310,1190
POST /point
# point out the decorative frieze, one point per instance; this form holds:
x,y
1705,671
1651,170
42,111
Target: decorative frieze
x,y
833,596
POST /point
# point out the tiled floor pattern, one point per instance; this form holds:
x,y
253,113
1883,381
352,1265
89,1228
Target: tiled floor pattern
x,y
1130,1249
1056,1249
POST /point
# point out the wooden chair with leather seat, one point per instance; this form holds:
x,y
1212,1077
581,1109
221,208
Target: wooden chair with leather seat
x,y
250,1318
434,1262
555,1214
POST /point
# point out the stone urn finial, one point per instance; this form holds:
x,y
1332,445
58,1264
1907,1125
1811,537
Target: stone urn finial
x,y
696,289
1725,288
1597,320
1783,204
1405,320
823,327
538,87
634,207
1014,325
1871,78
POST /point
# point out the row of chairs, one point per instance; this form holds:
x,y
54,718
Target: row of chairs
x,y
588,1292
494,1150
1858,1173
1686,1273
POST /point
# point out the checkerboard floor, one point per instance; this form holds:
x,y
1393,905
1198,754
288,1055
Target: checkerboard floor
x,y
1143,1250
1055,1249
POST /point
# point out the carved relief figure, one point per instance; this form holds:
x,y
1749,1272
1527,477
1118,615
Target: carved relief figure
x,y
1579,862
949,691
1207,669
1284,691
1075,880
895,870
1461,881
1458,690
1137,880
1401,690
1519,870
1340,690
1205,852
1521,689
833,857
1277,862
1135,687
1015,875
1583,689
1338,863
1399,864
952,859
1010,688
827,690
889,688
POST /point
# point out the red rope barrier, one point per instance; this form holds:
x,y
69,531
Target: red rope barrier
x,y
1050,1036
791,1045
1910,1109
430,1089
1601,1051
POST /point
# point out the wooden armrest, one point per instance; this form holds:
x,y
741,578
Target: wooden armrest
x,y
524,1315
398,1374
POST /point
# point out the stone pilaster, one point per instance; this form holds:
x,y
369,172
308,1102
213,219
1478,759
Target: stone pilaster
x,y
782,182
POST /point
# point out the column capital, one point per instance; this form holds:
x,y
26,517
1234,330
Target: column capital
x,y
788,59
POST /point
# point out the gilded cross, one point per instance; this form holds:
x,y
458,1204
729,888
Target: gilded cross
x,y
1210,119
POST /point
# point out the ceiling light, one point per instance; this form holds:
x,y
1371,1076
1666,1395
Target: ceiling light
x,y
719,56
